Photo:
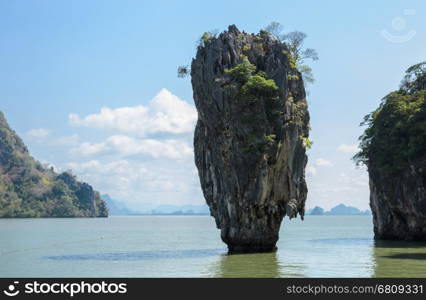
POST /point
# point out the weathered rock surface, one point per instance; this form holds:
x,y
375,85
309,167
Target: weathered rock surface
x,y
398,202
250,146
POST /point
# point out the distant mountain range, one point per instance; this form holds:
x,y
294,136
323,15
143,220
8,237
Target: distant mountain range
x,y
340,209
117,208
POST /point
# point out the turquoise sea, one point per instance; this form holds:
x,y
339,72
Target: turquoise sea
x,y
190,246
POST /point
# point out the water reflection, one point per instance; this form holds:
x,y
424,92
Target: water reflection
x,y
400,259
247,265
266,265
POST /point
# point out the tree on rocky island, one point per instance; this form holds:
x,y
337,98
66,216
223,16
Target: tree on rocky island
x,y
294,41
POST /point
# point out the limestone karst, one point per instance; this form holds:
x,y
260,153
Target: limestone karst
x,y
251,136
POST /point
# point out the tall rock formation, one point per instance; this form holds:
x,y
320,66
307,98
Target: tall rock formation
x,y
29,189
393,148
251,136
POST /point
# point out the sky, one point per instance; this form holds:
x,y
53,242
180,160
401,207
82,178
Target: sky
x,y
91,86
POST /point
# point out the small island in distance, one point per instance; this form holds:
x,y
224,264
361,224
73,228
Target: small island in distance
x,y
340,209
118,208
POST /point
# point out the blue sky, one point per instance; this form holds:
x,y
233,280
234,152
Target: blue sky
x,y
60,59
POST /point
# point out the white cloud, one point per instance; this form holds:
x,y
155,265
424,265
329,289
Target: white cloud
x,y
126,164
343,183
320,162
38,133
69,140
125,146
348,148
141,183
310,170
88,149
119,166
166,113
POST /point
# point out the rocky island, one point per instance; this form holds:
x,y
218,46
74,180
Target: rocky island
x,y
29,189
393,149
251,135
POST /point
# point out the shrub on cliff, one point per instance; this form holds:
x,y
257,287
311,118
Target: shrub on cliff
x,y
396,131
242,72
252,84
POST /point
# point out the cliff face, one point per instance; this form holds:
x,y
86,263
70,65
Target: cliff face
x,y
393,148
28,189
398,202
250,136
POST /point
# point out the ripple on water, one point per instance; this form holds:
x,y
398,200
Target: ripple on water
x,y
140,255
344,241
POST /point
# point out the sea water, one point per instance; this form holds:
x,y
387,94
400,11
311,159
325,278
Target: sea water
x,y
190,246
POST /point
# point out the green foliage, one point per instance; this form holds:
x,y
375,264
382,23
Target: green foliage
x,y
307,143
415,78
246,48
396,131
242,72
259,145
299,111
252,84
270,139
206,37
258,85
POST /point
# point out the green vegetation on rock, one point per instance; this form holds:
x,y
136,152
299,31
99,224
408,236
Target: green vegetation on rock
x,y
29,189
252,84
206,37
396,131
307,142
242,72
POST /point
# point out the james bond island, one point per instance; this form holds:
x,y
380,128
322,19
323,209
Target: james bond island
x,y
393,148
251,135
